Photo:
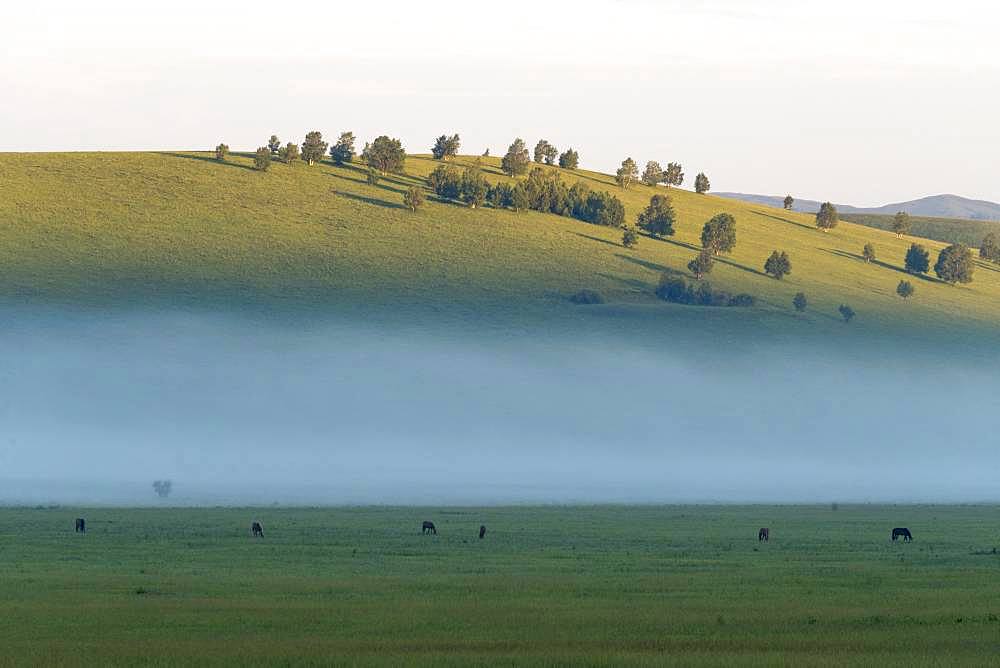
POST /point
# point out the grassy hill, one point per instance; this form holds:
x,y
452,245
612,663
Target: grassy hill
x,y
951,230
148,229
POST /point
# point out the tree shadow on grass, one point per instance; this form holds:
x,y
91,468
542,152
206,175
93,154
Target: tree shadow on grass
x,y
737,265
633,283
681,244
597,239
371,200
884,265
207,158
781,219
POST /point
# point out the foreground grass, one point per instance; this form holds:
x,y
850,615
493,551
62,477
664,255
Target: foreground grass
x,y
604,585
127,229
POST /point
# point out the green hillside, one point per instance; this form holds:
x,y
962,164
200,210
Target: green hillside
x,y
950,230
181,228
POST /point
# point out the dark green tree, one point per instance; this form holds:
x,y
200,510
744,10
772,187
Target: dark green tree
x,y
701,184
262,159
569,159
918,260
630,237
905,289
778,265
289,153
674,176
313,148
446,147
515,162
955,264
343,151
800,302
413,198
989,248
221,152
702,264
658,218
789,201
719,234
627,173
846,312
446,182
385,154
653,173
519,198
827,217
901,224
274,145
372,176
473,187
868,253
545,152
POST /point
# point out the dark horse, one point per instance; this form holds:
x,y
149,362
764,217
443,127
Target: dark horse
x,y
482,531
256,529
81,525
428,526
902,531
764,535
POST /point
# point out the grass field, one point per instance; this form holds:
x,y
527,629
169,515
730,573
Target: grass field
x,y
151,229
548,585
951,230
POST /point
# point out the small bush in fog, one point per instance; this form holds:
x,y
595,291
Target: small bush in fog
x,y
162,488
846,312
800,302
587,297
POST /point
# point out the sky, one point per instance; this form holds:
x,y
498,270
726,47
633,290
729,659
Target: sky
x,y
860,103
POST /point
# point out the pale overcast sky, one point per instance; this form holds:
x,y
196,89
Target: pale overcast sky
x,y
857,102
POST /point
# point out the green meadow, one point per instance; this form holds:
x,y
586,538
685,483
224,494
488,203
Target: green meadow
x,y
182,229
550,585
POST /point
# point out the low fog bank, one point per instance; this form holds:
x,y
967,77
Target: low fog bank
x,y
238,410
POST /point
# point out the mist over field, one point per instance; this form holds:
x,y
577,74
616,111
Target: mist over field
x,y
243,409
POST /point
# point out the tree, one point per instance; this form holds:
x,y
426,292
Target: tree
x,y
653,173
445,147
989,248
413,198
901,224
955,264
262,159
674,176
519,198
719,234
905,289
545,152
701,184
868,253
627,173
846,312
702,264
827,217
313,148
516,161
221,152
162,488
778,265
569,159
800,302
630,237
789,201
372,176
658,218
274,145
289,153
918,260
473,187
343,151
385,154
446,182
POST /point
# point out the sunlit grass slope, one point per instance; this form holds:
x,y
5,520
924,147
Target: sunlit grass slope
x,y
153,228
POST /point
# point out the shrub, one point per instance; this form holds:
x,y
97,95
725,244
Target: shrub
x,y
413,198
846,312
587,297
262,159
221,152
800,302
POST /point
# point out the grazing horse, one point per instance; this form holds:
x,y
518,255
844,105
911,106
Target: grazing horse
x,y
764,535
81,525
902,531
482,531
256,529
428,526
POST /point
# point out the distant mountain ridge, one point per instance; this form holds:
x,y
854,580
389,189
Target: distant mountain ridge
x,y
936,206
